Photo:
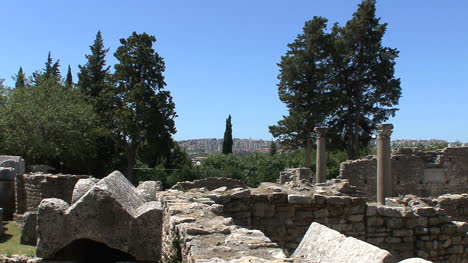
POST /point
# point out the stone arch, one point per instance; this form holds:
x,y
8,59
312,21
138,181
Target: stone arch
x,y
87,250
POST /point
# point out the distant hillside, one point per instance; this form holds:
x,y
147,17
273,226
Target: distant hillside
x,y
215,145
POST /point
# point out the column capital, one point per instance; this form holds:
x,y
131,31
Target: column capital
x,y
321,131
384,130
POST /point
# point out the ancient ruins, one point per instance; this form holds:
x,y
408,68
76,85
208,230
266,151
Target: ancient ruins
x,y
409,206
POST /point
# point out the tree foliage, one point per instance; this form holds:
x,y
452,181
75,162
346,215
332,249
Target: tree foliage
x,y
364,78
227,139
93,76
46,124
94,82
145,112
343,79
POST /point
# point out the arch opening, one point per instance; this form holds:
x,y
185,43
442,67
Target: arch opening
x,y
87,250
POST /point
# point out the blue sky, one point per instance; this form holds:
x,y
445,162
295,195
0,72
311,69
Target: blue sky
x,y
221,55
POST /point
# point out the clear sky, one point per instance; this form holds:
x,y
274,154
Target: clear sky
x,y
221,55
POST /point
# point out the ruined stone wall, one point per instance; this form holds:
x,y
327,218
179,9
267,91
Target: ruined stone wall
x,y
210,183
413,172
195,230
32,188
455,206
403,231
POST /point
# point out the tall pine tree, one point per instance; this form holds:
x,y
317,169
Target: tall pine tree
x,y
94,74
227,140
94,82
51,73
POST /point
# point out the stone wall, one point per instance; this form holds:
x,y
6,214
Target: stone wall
x,y
195,230
32,188
404,231
413,172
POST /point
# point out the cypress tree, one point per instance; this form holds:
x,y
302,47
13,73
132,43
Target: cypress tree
x,y
69,80
273,149
227,141
20,79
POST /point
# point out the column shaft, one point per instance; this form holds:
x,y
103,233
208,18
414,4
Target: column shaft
x,y
384,165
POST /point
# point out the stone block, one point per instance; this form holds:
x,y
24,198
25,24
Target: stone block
x,y
355,218
149,189
391,211
375,221
28,229
299,199
241,194
339,200
322,244
394,222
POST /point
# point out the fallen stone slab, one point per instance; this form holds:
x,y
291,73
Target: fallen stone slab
x,y
325,245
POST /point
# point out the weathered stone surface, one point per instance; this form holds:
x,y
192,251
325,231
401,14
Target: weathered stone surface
x,y
148,189
210,183
81,187
111,212
299,199
28,229
322,244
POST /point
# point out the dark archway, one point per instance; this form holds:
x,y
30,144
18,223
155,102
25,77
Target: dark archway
x,y
86,250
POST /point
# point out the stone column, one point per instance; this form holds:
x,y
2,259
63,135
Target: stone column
x,y
384,165
321,162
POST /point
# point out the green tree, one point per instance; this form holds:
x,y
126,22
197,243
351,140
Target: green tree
x,y
227,140
94,82
144,112
364,81
20,79
304,87
51,73
273,149
47,124
69,79
93,76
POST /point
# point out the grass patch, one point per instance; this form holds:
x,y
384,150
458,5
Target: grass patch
x,y
10,241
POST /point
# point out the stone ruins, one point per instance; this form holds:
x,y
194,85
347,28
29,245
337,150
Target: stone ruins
x,y
407,207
